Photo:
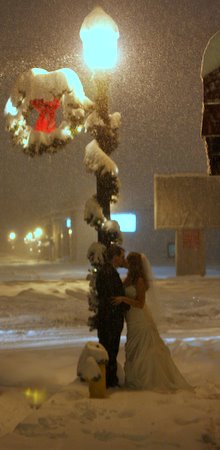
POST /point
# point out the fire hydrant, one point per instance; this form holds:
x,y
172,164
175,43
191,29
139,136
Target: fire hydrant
x,y
92,368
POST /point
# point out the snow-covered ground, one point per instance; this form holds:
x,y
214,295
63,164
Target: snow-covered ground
x,y
43,314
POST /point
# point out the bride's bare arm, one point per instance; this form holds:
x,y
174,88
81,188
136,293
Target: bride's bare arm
x,y
130,301
139,300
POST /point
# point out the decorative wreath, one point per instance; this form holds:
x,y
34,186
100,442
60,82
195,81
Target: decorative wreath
x,y
45,93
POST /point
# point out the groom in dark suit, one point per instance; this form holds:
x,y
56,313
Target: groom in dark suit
x,y
111,317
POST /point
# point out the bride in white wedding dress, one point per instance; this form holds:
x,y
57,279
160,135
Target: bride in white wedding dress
x,y
148,362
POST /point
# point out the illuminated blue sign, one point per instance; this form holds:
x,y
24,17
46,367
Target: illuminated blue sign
x,y
127,221
68,222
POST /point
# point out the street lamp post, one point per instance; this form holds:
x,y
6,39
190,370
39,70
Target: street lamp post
x,y
99,34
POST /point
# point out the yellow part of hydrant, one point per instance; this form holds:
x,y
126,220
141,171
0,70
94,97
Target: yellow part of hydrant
x,y
97,388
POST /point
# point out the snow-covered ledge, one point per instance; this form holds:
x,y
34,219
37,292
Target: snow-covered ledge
x,y
188,203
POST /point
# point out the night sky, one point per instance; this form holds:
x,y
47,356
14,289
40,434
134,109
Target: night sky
x,y
156,87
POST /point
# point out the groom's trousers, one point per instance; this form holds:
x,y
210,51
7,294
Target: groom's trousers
x,y
109,333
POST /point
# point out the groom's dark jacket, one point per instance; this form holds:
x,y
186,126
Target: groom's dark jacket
x,y
108,285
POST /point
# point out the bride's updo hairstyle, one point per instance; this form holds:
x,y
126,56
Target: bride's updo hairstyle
x,y
135,267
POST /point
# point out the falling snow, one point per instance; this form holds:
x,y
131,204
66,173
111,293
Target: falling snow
x,y
160,46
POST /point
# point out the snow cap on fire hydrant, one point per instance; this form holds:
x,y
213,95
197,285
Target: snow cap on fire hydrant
x,y
92,355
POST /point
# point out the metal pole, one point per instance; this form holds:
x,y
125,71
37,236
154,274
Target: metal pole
x,y
103,182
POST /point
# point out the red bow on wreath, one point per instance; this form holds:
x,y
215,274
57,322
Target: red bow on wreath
x,y
46,121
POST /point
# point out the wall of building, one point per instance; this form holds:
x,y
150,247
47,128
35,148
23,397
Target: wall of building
x,y
212,246
147,240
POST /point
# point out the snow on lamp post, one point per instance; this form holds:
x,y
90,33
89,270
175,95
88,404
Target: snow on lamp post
x,y
99,34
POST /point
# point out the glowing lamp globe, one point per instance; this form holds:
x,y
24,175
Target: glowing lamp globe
x,y
99,35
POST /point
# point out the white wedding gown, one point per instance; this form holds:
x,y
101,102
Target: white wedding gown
x,y
148,363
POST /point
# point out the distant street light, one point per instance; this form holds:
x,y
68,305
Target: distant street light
x,y
99,34
29,237
12,236
38,233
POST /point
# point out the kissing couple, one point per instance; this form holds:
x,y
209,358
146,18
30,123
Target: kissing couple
x,y
148,362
